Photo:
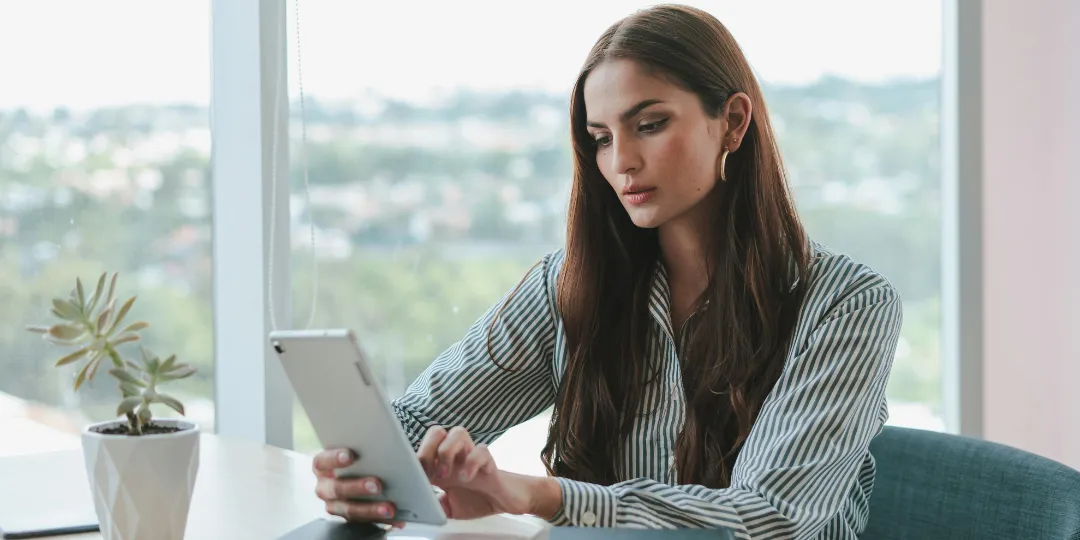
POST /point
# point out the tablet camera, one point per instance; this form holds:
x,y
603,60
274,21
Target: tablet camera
x,y
278,348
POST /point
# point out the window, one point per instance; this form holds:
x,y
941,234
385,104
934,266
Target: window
x,y
439,163
104,166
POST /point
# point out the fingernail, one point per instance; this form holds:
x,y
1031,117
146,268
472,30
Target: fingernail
x,y
371,487
340,508
385,511
344,457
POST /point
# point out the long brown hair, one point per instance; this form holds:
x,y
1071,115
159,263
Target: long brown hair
x,y
735,349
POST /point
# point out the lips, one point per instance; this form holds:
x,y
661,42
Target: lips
x,y
638,195
636,188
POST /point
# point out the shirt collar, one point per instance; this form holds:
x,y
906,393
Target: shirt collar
x,y
660,292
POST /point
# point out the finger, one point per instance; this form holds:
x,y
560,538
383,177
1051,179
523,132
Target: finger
x,y
453,451
479,460
329,489
361,511
324,463
444,500
429,448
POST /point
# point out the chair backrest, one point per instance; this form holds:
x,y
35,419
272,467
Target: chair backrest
x,y
934,485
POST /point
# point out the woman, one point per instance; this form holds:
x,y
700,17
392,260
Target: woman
x,y
707,363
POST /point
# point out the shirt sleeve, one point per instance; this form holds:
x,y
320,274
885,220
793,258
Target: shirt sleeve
x,y
804,453
465,385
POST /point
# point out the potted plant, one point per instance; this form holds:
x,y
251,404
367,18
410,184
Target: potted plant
x,y
141,469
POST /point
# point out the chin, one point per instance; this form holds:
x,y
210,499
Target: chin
x,y
645,218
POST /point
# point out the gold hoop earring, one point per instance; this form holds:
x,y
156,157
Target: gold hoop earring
x,y
723,162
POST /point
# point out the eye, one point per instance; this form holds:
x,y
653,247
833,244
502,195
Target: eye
x,y
602,140
651,127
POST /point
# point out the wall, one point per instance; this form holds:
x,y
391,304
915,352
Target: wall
x,y
1031,232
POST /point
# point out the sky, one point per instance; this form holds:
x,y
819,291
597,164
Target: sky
x,y
84,54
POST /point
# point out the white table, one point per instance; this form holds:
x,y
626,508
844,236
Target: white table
x,y
243,490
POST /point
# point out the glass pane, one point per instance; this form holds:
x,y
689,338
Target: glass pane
x,y
439,166
104,167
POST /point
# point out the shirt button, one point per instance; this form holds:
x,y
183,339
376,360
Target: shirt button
x,y
588,519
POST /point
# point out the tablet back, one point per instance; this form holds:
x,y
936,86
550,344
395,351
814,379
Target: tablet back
x,y
347,407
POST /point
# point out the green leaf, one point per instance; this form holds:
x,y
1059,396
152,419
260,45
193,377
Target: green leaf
x,y
96,356
129,389
181,371
57,341
133,365
99,289
114,356
135,327
123,312
125,376
66,310
37,329
128,405
103,320
124,338
81,293
169,363
144,357
97,362
112,289
72,357
81,377
66,332
172,402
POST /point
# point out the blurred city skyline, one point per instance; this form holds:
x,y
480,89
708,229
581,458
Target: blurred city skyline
x,y
425,211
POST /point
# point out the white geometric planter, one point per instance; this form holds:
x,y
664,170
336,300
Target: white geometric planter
x,y
142,485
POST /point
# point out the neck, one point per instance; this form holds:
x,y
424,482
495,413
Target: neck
x,y
682,245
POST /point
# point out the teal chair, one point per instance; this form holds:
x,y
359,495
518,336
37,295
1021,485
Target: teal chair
x,y
933,486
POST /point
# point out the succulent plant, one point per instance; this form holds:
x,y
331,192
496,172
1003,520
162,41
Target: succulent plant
x,y
139,384
91,324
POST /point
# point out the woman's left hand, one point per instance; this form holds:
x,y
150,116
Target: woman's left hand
x,y
474,485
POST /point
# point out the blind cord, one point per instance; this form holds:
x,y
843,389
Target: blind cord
x,y
274,176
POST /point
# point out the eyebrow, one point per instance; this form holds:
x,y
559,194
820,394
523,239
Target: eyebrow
x,y
629,113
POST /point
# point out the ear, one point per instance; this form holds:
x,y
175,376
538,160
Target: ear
x,y
737,113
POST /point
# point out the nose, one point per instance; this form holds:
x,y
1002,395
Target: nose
x,y
625,156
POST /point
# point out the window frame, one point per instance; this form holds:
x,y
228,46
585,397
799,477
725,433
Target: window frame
x,y
961,218
252,396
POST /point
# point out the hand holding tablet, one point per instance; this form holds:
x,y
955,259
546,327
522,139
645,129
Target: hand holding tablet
x,y
368,470
345,497
380,479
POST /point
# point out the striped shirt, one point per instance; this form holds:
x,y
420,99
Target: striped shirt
x,y
805,470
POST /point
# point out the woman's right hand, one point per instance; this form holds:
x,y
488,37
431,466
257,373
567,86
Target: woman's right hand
x,y
337,492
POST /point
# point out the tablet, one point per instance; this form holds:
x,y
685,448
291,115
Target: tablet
x,y
45,524
348,408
